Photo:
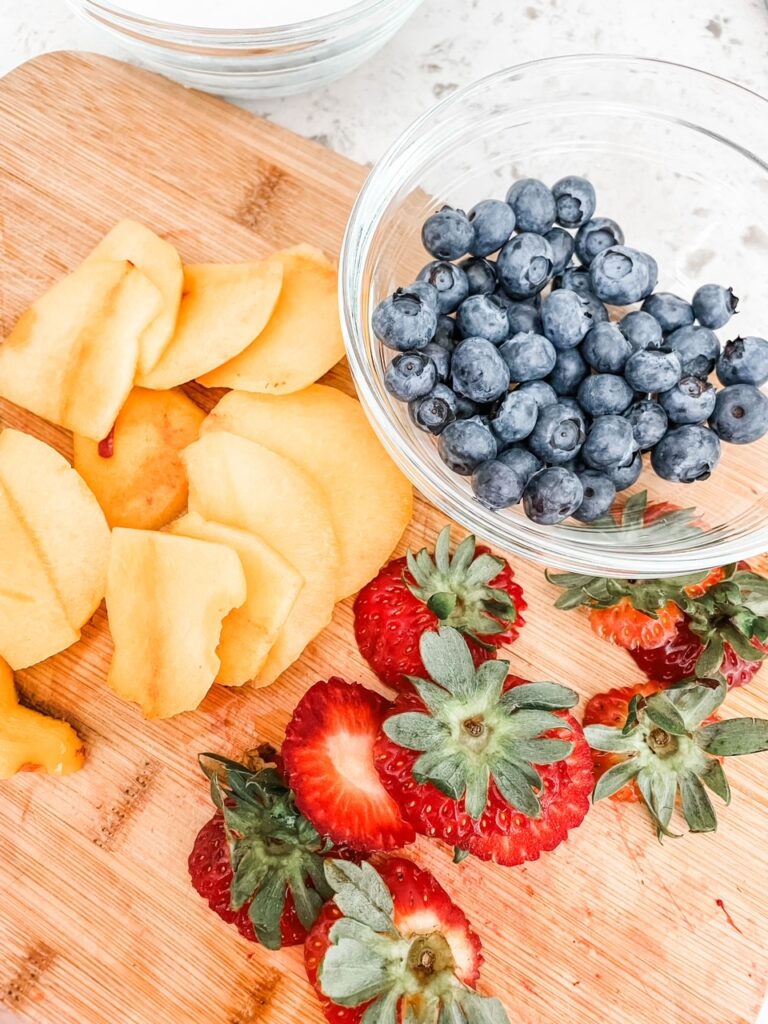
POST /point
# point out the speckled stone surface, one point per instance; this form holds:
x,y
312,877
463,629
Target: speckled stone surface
x,y
449,43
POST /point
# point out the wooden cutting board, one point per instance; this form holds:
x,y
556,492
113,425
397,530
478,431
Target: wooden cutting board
x,y
98,922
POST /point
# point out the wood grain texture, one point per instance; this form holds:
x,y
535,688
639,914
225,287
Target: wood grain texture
x,y
97,919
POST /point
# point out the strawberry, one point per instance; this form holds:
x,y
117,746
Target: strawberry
x,y
489,763
394,947
612,708
670,745
328,755
258,862
473,591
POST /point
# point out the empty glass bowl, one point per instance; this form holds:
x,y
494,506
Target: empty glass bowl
x,y
230,47
680,159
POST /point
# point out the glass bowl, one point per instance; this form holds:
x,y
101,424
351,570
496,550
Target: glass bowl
x,y
229,48
680,159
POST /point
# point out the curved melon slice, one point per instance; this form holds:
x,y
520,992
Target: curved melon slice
x,y
166,600
242,484
224,306
248,632
326,434
157,260
54,549
303,339
31,741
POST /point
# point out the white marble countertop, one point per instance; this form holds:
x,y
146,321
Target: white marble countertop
x,y
449,43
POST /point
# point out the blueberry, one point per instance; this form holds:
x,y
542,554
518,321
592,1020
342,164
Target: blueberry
x,y
641,330
625,473
481,275
552,495
741,414
599,496
410,375
652,370
653,275
568,402
493,221
521,460
568,372
649,423
404,321
620,275
450,283
610,442
575,201
483,316
433,412
558,435
575,279
605,394
562,245
697,348
713,305
515,418
744,361
686,454
522,318
528,356
496,484
543,394
524,265
533,204
464,444
445,333
595,308
477,370
440,358
691,400
595,235
426,292
606,349
670,310
447,234
565,318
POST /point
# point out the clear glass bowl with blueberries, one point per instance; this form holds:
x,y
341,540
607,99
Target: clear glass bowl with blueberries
x,y
575,336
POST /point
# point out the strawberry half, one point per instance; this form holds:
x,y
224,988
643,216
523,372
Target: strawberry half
x,y
258,862
473,591
612,708
670,746
394,947
328,756
491,764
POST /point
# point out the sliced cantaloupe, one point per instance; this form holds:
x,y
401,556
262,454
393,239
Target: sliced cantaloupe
x,y
224,306
136,473
242,484
166,600
326,434
54,549
249,632
157,260
33,742
302,340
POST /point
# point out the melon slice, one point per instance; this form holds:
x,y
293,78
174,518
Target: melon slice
x,y
72,357
248,632
326,434
242,484
224,306
303,339
157,260
166,600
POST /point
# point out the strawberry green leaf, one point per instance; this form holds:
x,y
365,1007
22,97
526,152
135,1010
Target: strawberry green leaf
x,y
544,696
249,872
479,1009
266,910
741,644
490,678
476,796
353,972
443,550
459,855
448,660
451,1013
515,788
434,696
697,701
416,731
360,893
448,773
632,714
543,751
659,792
714,778
734,736
528,723
442,605
571,599
615,779
710,659
307,901
463,556
697,807
384,1009
610,739
484,569
660,709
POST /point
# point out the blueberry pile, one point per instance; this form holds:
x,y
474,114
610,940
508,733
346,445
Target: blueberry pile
x,y
532,391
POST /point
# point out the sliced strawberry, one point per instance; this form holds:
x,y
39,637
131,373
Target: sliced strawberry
x,y
421,908
624,625
328,755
